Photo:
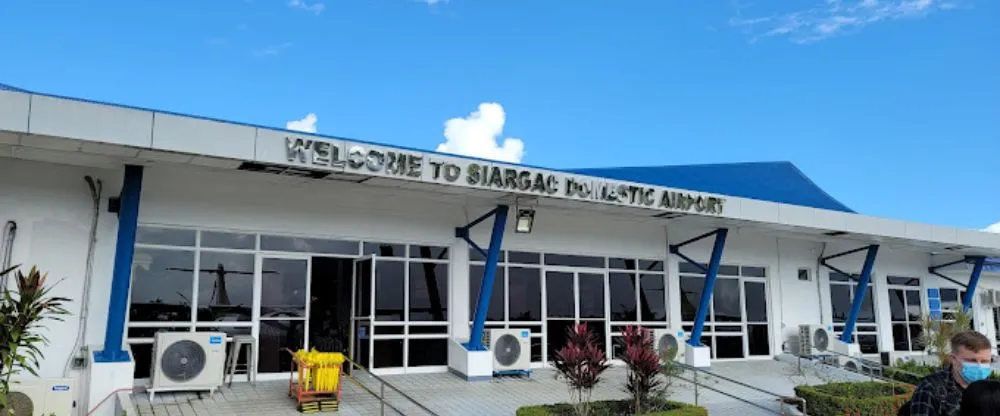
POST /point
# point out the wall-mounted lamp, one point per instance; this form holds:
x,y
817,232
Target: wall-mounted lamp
x,y
525,219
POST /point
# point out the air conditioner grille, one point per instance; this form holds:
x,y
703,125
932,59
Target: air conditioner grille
x,y
506,349
182,361
21,404
668,343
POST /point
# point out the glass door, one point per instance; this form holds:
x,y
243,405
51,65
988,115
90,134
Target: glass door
x,y
573,297
361,312
283,311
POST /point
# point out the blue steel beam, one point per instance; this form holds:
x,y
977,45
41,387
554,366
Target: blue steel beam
x,y
128,220
710,275
970,291
489,271
859,294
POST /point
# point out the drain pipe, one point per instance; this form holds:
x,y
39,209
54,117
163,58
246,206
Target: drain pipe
x,y
819,287
96,187
9,232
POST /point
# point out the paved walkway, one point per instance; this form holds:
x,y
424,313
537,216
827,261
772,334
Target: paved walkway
x,y
446,394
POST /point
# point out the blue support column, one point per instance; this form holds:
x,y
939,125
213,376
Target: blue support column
x,y
859,294
710,275
970,291
128,219
489,272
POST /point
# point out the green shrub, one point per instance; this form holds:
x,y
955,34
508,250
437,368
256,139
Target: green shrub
x,y
614,408
913,372
870,398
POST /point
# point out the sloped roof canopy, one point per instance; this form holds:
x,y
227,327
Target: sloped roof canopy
x,y
780,182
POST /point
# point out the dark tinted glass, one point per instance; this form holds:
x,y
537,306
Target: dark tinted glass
x,y
900,337
429,252
897,305
428,352
363,287
283,288
525,294
495,311
651,265
753,271
913,309
428,291
212,239
728,347
559,295
623,304
475,255
523,257
307,245
591,295
726,298
435,329
621,264
225,286
384,250
691,268
388,353
729,270
840,302
574,261
756,301
691,288
389,291
758,340
165,236
275,337
903,281
868,344
840,277
161,285
867,313
652,298
916,332
150,333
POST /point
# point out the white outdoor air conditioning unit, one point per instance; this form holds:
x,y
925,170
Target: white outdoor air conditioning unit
x,y
814,339
665,340
511,350
187,361
46,397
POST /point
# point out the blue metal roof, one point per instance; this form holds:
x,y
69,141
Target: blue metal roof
x,y
767,181
5,87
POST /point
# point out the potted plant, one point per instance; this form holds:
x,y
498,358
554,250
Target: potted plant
x,y
23,308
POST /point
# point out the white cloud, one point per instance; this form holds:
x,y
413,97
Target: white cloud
x,y
317,7
995,228
307,124
828,18
477,134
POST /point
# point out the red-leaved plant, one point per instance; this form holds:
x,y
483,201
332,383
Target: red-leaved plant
x,y
643,367
581,363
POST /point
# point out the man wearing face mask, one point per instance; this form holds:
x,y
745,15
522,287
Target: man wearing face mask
x,y
940,394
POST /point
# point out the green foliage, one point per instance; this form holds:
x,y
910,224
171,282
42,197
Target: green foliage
x,y
937,333
870,398
581,363
615,408
913,372
22,312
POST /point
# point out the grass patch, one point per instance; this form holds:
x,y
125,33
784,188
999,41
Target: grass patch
x,y
614,408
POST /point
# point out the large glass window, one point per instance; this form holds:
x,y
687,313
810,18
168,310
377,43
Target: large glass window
x,y
736,325
410,327
516,300
842,291
905,313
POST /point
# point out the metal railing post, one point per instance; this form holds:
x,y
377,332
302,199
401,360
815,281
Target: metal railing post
x,y
381,393
695,387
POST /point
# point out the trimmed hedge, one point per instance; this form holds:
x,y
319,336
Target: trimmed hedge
x,y
914,372
870,398
611,408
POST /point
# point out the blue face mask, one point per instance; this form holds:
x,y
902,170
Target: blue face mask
x,y
973,372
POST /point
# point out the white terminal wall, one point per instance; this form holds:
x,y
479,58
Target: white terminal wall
x,y
52,207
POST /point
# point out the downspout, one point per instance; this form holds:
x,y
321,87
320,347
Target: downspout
x,y
9,232
819,287
81,333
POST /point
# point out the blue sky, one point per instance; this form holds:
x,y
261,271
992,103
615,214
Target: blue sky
x,y
893,106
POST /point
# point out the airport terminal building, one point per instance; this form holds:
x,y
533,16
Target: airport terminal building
x,y
309,241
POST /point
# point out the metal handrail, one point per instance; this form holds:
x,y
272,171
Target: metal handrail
x,y
782,400
869,363
382,385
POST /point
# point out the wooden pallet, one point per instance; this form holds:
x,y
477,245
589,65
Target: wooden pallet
x,y
319,405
